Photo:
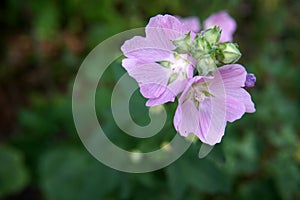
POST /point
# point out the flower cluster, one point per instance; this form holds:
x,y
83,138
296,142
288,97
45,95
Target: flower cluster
x,y
176,59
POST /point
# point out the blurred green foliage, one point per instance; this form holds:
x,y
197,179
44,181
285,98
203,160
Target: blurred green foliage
x,y
41,157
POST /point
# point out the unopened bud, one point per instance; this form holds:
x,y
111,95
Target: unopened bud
x,y
206,65
200,47
229,53
183,44
213,35
250,80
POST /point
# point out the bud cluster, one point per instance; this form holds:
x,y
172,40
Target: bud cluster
x,y
207,51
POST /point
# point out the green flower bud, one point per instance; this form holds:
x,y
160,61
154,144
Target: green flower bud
x,y
183,44
228,53
213,35
206,65
200,47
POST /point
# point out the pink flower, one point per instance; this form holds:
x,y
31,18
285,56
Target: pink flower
x,y
207,103
163,64
225,22
160,72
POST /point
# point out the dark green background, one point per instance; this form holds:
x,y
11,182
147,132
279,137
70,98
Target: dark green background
x,y
41,157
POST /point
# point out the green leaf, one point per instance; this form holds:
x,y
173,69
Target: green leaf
x,y
69,173
13,173
46,22
206,176
201,174
176,181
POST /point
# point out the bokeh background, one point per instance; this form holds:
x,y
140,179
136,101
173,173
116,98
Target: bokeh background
x,y
41,156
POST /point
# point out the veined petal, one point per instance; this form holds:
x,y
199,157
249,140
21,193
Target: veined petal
x,y
166,96
177,117
233,75
225,22
212,120
131,63
234,109
152,79
191,23
243,96
186,119
212,110
234,79
177,86
205,111
150,49
170,27
169,94
152,90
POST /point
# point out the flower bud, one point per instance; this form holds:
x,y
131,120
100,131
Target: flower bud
x,y
228,53
200,47
206,65
213,35
250,80
183,44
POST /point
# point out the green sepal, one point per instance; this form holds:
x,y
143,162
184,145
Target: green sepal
x,y
172,78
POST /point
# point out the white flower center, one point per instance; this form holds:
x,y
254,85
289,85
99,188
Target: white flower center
x,y
199,96
198,93
180,66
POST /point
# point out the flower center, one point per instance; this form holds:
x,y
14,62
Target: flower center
x,y
199,96
179,66
198,92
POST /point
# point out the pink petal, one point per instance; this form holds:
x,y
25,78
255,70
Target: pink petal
x,y
212,120
169,94
216,86
151,77
170,27
150,49
177,86
225,22
166,96
243,96
205,118
177,117
186,119
192,23
233,75
152,90
131,63
234,109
